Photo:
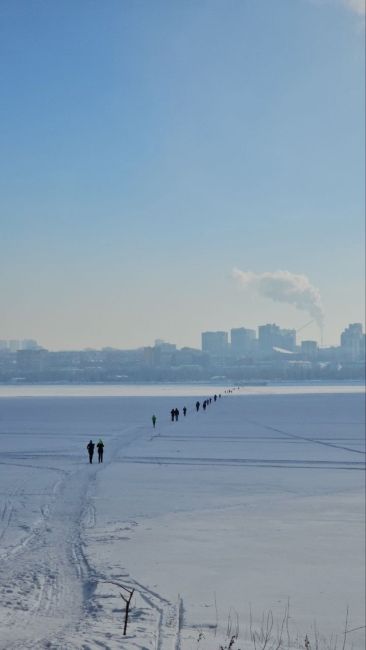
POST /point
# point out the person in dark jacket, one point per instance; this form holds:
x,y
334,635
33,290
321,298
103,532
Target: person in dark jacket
x,y
172,413
204,405
153,420
184,411
176,413
100,447
90,447
197,406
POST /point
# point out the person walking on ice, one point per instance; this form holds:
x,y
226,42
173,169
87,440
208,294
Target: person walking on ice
x,y
100,447
197,406
90,447
184,411
153,420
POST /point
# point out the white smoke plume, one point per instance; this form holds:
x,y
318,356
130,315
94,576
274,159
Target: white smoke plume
x,y
283,286
356,5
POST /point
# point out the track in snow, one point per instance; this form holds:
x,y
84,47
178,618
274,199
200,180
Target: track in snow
x,y
46,582
42,578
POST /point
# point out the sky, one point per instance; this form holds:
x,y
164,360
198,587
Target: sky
x,y
148,149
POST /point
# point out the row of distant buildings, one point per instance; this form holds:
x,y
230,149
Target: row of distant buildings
x,y
273,340
242,354
13,345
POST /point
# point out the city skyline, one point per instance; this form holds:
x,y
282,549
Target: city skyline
x,y
273,355
149,149
254,334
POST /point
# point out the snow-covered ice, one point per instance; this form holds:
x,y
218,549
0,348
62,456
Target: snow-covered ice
x,y
256,503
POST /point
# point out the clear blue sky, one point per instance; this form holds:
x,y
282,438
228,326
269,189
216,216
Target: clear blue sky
x,y
148,147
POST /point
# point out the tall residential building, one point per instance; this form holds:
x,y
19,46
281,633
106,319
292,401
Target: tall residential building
x,y
31,361
271,336
241,341
309,349
29,344
268,337
215,343
352,342
164,353
287,339
164,346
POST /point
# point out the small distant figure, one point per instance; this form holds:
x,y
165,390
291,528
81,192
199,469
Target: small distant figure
x,y
153,420
197,406
100,448
204,405
172,414
176,413
184,411
220,396
210,400
215,398
90,447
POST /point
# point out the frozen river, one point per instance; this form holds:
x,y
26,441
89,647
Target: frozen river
x,y
256,503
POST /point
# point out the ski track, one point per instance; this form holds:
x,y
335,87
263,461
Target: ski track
x,y
240,462
316,441
41,588
45,579
48,590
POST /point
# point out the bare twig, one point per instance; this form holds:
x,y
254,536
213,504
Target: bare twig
x,y
283,624
228,625
216,613
252,634
362,627
345,629
287,623
267,631
128,602
316,637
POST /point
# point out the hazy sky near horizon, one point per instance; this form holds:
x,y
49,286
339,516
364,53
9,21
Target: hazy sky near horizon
x,y
150,147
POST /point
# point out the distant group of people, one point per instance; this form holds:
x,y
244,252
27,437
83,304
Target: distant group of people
x,y
207,402
100,447
174,414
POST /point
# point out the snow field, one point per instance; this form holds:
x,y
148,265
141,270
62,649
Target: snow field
x,y
257,501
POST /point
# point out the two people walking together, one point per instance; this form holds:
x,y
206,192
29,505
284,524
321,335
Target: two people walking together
x,y
100,447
